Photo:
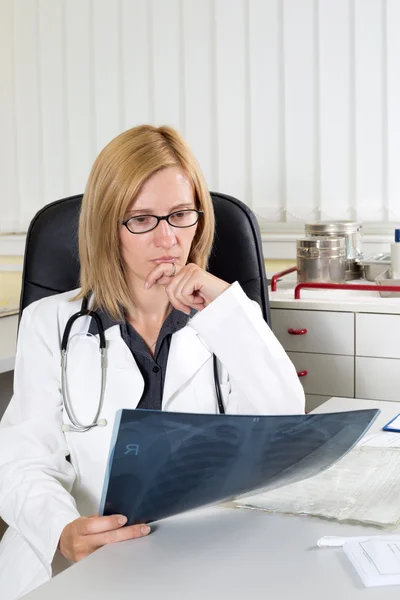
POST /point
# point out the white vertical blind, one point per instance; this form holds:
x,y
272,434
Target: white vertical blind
x,y
266,110
167,63
80,149
370,105
198,75
52,98
335,126
9,192
392,60
290,105
106,66
231,93
137,94
301,110
28,114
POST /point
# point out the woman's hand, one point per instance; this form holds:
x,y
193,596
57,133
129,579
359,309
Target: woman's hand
x,y
189,287
86,534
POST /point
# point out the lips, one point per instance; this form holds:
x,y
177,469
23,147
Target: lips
x,y
162,259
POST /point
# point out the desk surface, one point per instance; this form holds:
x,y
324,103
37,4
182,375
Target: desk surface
x,y
221,553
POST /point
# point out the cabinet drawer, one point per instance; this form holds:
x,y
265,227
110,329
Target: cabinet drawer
x,y
327,332
378,378
313,401
378,335
327,374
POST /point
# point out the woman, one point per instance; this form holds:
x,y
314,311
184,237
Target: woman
x,y
145,234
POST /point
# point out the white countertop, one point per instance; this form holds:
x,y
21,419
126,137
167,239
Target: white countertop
x,y
332,300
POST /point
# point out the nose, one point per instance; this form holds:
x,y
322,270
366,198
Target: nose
x,y
164,235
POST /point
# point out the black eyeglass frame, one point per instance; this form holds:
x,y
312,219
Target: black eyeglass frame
x,y
164,218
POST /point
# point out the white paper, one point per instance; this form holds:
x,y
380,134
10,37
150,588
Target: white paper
x,y
363,487
376,562
381,439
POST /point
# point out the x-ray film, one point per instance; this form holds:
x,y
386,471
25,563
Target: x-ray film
x,y
163,463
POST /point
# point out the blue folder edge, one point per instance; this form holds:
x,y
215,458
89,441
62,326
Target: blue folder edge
x,y
387,428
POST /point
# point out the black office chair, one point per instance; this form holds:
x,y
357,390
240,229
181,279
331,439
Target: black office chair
x,y
51,263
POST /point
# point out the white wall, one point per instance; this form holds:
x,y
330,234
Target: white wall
x,y
290,105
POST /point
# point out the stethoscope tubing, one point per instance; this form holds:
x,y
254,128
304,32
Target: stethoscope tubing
x,y
76,426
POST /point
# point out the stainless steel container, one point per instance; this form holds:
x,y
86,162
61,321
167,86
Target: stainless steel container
x,y
351,232
321,259
385,278
375,264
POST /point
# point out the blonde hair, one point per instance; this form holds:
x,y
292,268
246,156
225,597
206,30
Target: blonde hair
x,y
115,180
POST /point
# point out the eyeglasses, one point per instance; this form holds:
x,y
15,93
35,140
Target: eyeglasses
x,y
180,218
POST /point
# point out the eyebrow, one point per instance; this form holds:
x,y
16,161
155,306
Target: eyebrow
x,y
150,211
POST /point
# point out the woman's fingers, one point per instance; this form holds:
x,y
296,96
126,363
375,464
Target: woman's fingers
x,y
161,274
86,534
188,289
174,288
177,303
120,535
198,303
182,284
96,524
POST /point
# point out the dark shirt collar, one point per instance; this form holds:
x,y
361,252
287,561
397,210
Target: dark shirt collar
x,y
106,319
176,320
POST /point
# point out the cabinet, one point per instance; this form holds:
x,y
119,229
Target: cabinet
x,y
377,378
378,335
320,343
344,353
314,400
327,332
327,374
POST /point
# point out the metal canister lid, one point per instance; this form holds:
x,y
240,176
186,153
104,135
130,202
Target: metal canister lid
x,y
332,227
322,242
321,246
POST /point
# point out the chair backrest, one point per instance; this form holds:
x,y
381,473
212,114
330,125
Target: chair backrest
x,y
51,264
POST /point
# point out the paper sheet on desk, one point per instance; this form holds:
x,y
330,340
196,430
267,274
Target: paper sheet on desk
x,y
364,486
377,562
380,439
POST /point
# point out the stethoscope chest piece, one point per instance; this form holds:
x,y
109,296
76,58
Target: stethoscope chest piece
x,y
100,423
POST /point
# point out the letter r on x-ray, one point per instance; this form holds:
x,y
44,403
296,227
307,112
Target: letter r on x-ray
x,y
132,448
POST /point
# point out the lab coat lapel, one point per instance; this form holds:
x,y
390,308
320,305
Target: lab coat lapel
x,y
124,382
124,377
187,354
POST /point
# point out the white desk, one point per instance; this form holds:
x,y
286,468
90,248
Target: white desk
x,y
8,340
220,553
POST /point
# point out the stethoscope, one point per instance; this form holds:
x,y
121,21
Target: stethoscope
x,y
75,425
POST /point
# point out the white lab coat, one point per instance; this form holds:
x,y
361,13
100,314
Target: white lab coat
x,y
40,491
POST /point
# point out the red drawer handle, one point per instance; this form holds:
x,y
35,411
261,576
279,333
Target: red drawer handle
x,y
302,373
297,331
